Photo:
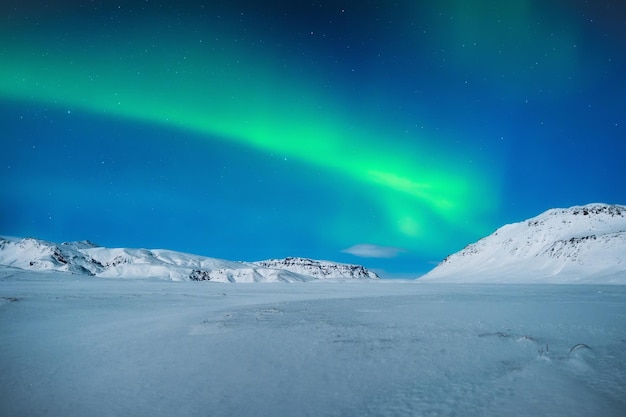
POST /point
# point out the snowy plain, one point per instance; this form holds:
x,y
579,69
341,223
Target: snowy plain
x,y
74,345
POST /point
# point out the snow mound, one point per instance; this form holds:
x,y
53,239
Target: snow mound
x,y
86,258
580,244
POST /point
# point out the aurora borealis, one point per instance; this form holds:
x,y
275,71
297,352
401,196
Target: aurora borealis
x,y
250,130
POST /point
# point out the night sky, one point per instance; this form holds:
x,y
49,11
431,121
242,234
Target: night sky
x,y
384,133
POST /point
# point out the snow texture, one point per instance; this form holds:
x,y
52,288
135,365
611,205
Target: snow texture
x,y
87,258
581,244
73,345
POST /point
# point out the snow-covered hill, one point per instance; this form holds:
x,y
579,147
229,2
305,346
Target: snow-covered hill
x,y
87,258
581,244
318,269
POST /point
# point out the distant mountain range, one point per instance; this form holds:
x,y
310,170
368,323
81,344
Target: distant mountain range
x,y
87,258
581,244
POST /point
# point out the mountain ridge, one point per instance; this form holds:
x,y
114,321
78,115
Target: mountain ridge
x,y
579,244
87,258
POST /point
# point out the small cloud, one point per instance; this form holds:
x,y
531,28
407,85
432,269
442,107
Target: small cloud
x,y
366,250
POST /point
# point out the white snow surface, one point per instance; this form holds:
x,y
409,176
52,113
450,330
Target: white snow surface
x,y
75,345
87,258
581,244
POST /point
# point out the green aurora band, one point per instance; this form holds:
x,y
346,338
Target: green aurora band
x,y
238,94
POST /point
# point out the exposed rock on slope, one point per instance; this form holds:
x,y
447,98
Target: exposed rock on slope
x,y
318,269
578,244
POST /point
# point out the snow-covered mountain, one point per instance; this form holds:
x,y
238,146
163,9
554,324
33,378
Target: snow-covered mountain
x,y
318,269
581,244
87,258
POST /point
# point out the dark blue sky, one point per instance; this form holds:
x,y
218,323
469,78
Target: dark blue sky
x,y
383,133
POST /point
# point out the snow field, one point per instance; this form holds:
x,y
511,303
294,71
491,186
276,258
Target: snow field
x,y
77,346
